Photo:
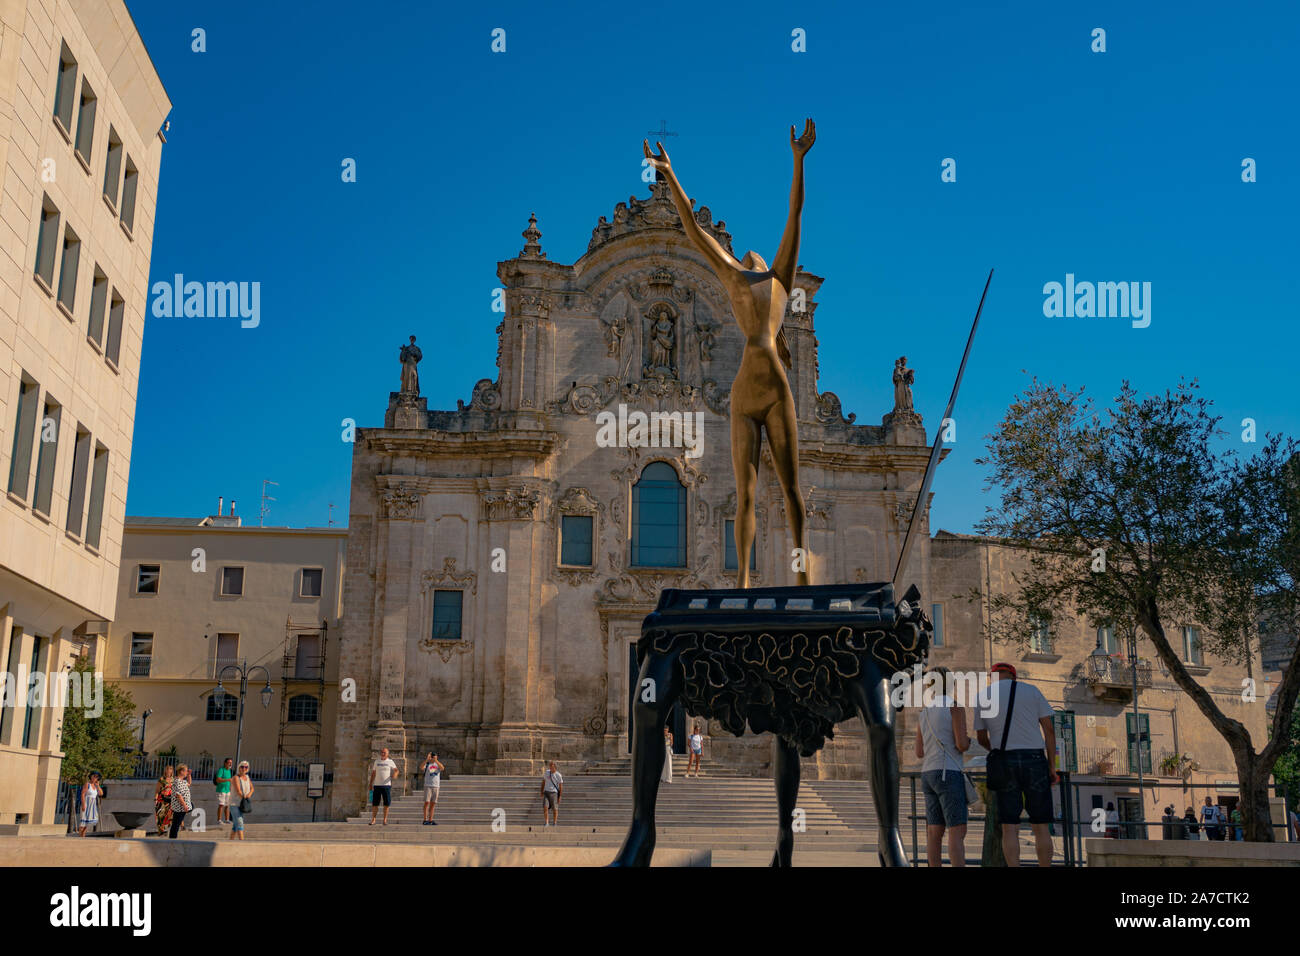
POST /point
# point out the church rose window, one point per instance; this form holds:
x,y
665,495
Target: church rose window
x,y
447,615
575,541
658,518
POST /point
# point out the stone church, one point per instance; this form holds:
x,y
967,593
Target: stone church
x,y
502,556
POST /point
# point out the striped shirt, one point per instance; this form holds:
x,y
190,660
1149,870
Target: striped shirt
x,y
181,796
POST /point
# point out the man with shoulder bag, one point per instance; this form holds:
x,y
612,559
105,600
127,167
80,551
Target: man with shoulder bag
x,y
1022,766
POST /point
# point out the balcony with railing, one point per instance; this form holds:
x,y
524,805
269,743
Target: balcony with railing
x,y
140,665
1111,678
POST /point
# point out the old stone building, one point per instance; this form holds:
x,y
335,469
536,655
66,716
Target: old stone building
x,y
501,556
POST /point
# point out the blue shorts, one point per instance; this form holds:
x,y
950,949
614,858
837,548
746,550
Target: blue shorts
x,y
236,818
1030,789
945,799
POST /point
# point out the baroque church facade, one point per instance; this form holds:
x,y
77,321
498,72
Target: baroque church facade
x,y
501,556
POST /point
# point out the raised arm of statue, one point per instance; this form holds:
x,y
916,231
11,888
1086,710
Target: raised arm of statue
x,y
786,262
722,261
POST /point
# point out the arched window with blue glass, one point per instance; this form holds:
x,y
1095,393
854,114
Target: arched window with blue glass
x,y
659,518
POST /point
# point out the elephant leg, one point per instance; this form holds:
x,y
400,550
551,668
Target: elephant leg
x,y
658,687
871,698
786,775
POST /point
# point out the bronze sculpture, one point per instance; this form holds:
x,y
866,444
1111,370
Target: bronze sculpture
x,y
761,399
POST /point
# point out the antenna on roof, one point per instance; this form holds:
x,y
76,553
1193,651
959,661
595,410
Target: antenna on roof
x,y
261,521
331,518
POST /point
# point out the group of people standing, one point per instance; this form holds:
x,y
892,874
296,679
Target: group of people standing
x,y
174,800
1017,722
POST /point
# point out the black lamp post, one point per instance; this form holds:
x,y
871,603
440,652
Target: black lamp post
x,y
244,672
144,720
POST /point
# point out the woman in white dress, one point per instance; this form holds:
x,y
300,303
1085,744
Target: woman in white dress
x,y
89,816
668,756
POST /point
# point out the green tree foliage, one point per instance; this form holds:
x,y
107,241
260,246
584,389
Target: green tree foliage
x,y
106,743
1191,533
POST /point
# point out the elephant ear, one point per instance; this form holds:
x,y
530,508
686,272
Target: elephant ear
x,y
783,348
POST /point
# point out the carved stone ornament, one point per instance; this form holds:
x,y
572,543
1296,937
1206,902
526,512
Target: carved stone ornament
x,y
486,395
510,504
829,411
585,399
399,504
596,724
654,212
717,397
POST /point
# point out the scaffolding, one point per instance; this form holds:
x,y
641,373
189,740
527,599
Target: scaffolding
x,y
302,700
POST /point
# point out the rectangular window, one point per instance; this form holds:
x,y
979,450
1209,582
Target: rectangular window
x,y
1106,640
1139,745
232,581
1192,646
141,654
1040,636
35,672
130,180
227,652
20,462
115,312
936,617
98,307
307,663
575,540
68,272
98,487
311,582
146,578
46,456
65,91
228,709
77,490
11,667
86,123
729,548
447,615
47,243
113,168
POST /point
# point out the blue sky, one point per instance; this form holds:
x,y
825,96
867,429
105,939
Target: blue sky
x,y
1115,166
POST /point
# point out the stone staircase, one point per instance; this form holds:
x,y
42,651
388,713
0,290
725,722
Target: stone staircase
x,y
621,766
733,816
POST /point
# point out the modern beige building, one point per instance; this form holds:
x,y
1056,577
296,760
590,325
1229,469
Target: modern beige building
x,y
80,147
1087,675
199,600
502,555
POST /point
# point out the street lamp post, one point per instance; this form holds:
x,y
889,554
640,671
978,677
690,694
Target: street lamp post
x,y
1137,723
244,672
144,720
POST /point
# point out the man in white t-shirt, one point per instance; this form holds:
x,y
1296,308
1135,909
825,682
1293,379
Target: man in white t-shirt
x,y
433,769
381,784
1030,744
552,790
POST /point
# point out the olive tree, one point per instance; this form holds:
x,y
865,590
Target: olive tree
x,y
1140,515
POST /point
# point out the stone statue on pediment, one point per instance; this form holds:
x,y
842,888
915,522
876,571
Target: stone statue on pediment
x,y
410,356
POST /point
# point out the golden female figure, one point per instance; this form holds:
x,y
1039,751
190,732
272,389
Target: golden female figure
x,y
760,396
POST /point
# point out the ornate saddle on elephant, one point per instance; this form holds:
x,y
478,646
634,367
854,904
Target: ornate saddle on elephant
x,y
781,660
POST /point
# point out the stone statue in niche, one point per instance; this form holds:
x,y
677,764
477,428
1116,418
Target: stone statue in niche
x,y
903,379
410,356
661,341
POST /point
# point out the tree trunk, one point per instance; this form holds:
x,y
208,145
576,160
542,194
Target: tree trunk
x,y
1252,775
1257,825
991,854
